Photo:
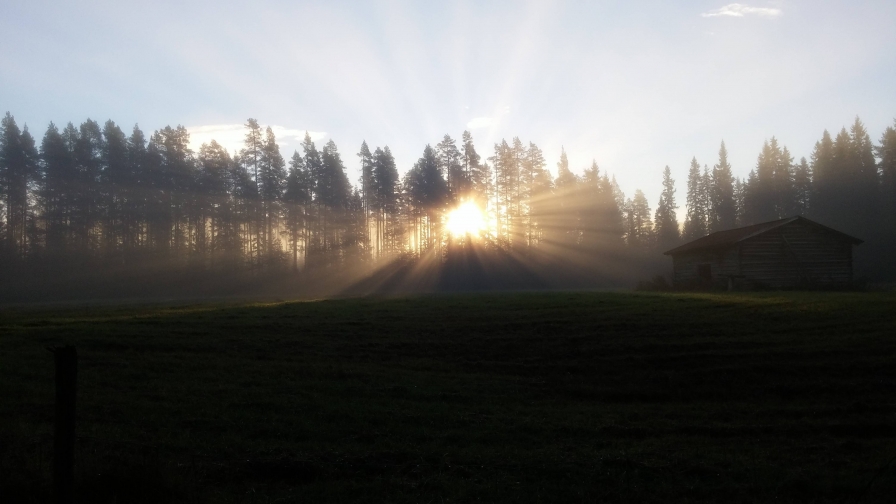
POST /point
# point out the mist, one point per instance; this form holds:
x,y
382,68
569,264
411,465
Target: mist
x,y
91,212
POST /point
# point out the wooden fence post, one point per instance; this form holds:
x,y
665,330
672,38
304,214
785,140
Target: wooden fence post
x,y
64,438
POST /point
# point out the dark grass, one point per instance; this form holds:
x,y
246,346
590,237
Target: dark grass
x,y
541,397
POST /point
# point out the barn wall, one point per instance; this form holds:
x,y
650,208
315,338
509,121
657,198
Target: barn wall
x,y
723,263
794,254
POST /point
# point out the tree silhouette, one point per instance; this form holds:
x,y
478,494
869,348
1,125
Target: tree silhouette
x,y
886,151
297,198
802,187
272,178
824,181
113,180
367,187
638,224
452,168
473,170
386,201
565,229
58,165
666,220
18,168
428,193
723,212
695,221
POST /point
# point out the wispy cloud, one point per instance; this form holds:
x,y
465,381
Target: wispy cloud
x,y
232,136
481,122
741,10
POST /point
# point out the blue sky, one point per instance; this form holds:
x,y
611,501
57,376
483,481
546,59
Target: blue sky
x,y
633,85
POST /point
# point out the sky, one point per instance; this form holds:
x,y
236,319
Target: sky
x,y
633,85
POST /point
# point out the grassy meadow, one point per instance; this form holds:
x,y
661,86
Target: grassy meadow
x,y
527,397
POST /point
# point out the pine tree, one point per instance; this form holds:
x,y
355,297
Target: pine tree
x,y
33,233
802,186
612,196
842,164
783,182
297,199
824,181
367,191
764,190
429,193
11,161
752,200
474,171
520,180
503,162
863,154
834,184
175,181
566,223
666,220
451,166
769,194
314,167
739,202
251,156
706,191
886,152
639,229
335,192
723,214
355,245
588,202
538,187
542,202
57,161
695,220
566,180
113,181
155,208
386,182
251,152
215,208
244,196
271,179
138,191
14,179
865,187
86,193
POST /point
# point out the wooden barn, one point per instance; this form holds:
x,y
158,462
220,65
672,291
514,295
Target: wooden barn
x,y
786,253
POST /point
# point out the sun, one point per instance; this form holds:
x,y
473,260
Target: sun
x,y
465,220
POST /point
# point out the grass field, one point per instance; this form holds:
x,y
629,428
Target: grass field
x,y
530,397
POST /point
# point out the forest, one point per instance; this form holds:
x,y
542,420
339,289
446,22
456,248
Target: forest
x,y
92,202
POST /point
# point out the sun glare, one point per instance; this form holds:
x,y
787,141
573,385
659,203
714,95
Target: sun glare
x,y
465,220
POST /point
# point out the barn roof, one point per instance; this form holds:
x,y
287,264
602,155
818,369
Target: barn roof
x,y
725,239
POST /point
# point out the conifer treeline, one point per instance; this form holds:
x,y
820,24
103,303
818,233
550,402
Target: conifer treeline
x,y
94,196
